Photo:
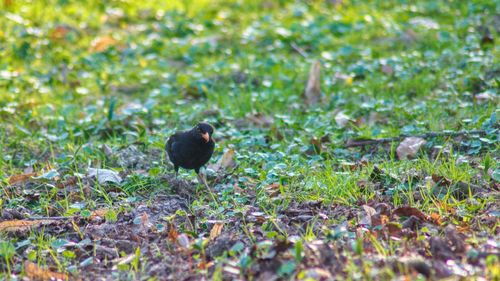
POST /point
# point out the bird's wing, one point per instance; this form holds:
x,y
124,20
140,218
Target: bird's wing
x,y
180,151
171,146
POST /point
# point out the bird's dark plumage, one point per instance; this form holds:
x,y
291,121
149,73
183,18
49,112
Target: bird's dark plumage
x,y
191,149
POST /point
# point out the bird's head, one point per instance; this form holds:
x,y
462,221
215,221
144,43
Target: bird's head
x,y
204,131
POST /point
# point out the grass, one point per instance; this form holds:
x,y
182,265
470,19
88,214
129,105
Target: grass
x,y
82,82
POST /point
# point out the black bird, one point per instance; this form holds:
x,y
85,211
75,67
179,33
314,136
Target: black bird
x,y
191,149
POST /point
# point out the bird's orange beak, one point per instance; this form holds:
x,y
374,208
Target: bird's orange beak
x,y
206,137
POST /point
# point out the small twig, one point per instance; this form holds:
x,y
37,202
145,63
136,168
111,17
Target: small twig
x,y
299,50
366,142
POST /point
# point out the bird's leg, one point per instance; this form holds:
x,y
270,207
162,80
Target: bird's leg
x,y
202,180
176,171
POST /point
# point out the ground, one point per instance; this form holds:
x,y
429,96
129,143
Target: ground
x,y
355,140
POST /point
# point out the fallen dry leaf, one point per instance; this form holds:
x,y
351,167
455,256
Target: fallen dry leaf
x,y
366,216
226,162
101,44
394,229
205,265
436,218
216,230
145,223
409,147
20,178
410,211
104,175
34,272
99,213
312,91
22,225
59,32
437,179
172,233
273,189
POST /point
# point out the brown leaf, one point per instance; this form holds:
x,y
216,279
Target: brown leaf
x,y
101,44
22,225
379,219
205,265
59,32
34,272
366,217
226,162
436,218
394,229
144,219
409,147
410,211
383,209
273,189
441,180
370,211
258,217
20,178
216,230
99,213
172,234
312,91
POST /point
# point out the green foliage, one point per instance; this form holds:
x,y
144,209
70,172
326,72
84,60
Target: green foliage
x,y
82,81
